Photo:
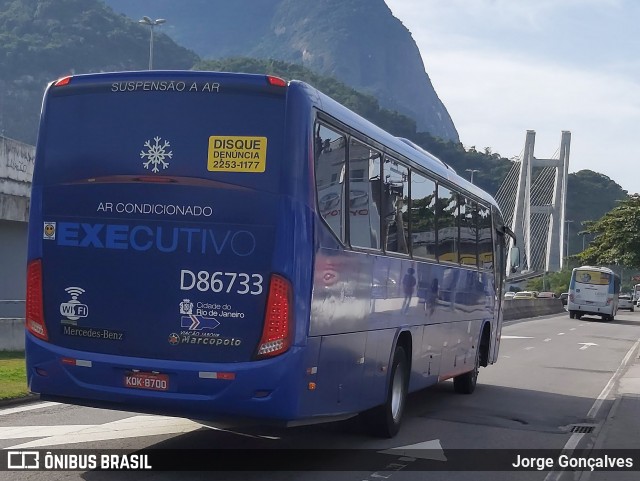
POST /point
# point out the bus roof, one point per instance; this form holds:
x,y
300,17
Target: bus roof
x,y
594,268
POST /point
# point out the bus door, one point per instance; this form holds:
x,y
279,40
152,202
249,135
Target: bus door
x,y
500,270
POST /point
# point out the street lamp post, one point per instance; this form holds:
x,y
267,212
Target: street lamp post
x,y
151,23
582,234
568,222
473,171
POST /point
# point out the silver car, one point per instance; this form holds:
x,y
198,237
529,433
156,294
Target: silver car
x,y
625,302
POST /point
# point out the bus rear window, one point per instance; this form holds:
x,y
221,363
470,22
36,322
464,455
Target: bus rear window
x,y
97,131
593,277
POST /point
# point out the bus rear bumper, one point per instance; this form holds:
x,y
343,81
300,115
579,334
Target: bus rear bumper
x,y
263,389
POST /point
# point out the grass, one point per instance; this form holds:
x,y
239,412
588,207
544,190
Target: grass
x,y
13,375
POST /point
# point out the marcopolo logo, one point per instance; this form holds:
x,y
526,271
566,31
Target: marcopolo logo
x,y
73,309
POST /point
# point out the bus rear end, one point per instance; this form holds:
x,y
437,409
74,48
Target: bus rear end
x,y
593,291
157,276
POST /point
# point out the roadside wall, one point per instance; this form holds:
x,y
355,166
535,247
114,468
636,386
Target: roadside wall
x,y
524,308
11,334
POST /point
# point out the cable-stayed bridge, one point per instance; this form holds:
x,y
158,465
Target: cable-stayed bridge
x,y
533,200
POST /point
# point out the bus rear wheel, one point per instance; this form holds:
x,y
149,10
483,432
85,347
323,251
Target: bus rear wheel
x,y
572,314
384,421
466,383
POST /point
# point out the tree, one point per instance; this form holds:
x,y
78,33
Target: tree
x,y
617,236
557,282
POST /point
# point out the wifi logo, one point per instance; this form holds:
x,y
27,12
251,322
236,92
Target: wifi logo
x,y
74,292
73,309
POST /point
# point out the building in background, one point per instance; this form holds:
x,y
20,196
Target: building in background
x,y
16,170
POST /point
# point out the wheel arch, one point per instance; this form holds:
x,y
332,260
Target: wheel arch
x,y
485,343
405,341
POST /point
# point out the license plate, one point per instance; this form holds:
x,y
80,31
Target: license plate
x,y
147,380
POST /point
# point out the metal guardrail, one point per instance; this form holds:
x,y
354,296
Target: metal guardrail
x,y
12,308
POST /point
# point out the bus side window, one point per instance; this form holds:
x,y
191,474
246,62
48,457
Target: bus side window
x,y
395,206
423,217
468,232
330,177
447,214
364,195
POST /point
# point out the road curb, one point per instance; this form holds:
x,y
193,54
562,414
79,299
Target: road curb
x,y
20,400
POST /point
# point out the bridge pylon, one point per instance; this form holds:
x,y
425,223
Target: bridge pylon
x,y
556,209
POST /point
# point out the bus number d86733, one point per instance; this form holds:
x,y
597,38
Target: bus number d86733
x,y
229,282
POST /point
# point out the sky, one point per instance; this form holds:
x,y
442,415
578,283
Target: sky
x,y
502,67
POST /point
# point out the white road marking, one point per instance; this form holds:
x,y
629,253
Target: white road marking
x,y
19,432
517,337
27,407
424,450
561,334
547,339
572,329
529,348
586,345
132,427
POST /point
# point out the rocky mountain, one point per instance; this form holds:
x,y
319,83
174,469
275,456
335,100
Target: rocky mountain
x,y
358,42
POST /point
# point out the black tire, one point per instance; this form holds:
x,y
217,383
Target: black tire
x,y
466,383
632,309
578,315
572,314
384,421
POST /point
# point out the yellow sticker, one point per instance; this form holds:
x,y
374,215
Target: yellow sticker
x,y
237,154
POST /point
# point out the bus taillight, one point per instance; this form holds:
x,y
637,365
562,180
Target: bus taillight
x,y
34,310
62,81
277,331
276,81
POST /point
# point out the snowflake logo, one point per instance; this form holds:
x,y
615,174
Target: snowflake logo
x,y
156,154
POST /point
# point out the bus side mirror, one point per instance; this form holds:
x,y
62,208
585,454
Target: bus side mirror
x,y
514,256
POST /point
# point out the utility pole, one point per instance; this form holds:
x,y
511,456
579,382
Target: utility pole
x,y
568,222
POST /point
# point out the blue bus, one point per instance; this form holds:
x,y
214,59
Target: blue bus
x,y
234,246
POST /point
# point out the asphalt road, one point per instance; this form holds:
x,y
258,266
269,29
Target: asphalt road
x,y
555,376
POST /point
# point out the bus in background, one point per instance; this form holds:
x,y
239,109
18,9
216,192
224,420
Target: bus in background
x,y
234,246
593,290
